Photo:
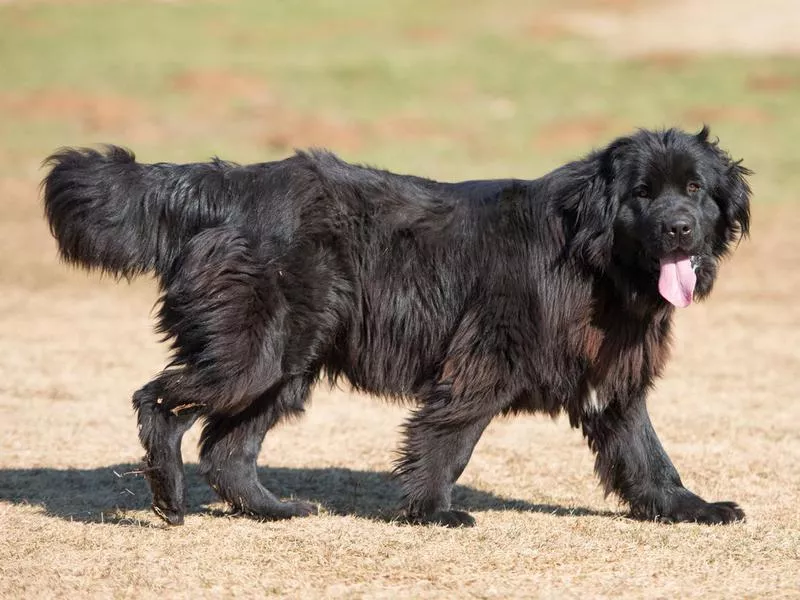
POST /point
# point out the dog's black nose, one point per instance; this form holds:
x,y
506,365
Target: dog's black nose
x,y
678,231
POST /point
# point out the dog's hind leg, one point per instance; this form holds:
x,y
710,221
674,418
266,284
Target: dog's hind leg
x,y
161,428
225,308
230,447
440,438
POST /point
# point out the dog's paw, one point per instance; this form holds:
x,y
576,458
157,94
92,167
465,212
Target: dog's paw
x,y
277,511
685,507
170,516
445,518
700,511
300,508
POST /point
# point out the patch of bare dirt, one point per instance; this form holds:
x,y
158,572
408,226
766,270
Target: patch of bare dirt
x,y
546,28
222,83
745,115
427,34
96,111
217,94
404,127
288,129
611,5
692,26
568,133
669,60
773,83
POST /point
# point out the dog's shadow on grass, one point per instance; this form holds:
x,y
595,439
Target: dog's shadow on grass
x,y
118,493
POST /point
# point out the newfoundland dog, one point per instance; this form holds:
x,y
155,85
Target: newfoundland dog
x,y
475,299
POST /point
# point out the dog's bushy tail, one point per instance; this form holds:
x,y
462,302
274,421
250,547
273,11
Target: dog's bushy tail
x,y
109,212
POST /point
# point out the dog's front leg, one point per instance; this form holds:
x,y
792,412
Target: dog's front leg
x,y
632,463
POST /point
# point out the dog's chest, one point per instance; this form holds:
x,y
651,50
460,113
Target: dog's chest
x,y
624,355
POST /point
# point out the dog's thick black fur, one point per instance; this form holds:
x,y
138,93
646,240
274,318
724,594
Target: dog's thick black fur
x,y
474,299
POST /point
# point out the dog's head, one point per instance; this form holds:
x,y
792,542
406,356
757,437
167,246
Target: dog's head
x,y
674,203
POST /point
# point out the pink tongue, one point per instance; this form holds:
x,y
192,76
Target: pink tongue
x,y
676,282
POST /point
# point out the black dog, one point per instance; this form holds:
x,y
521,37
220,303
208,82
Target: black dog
x,y
475,299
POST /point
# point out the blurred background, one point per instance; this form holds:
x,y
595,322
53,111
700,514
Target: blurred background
x,y
448,89
435,87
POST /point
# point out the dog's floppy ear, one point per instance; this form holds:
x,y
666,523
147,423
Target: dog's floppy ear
x,y
595,204
731,191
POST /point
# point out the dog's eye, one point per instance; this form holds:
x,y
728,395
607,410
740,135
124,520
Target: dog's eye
x,y
693,187
641,192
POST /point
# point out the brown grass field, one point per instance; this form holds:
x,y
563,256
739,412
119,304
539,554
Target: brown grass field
x,y
432,88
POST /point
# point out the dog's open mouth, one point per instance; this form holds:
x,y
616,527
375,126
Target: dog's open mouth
x,y
677,279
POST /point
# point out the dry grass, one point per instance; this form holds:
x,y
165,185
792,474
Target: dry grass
x,y
445,97
75,520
